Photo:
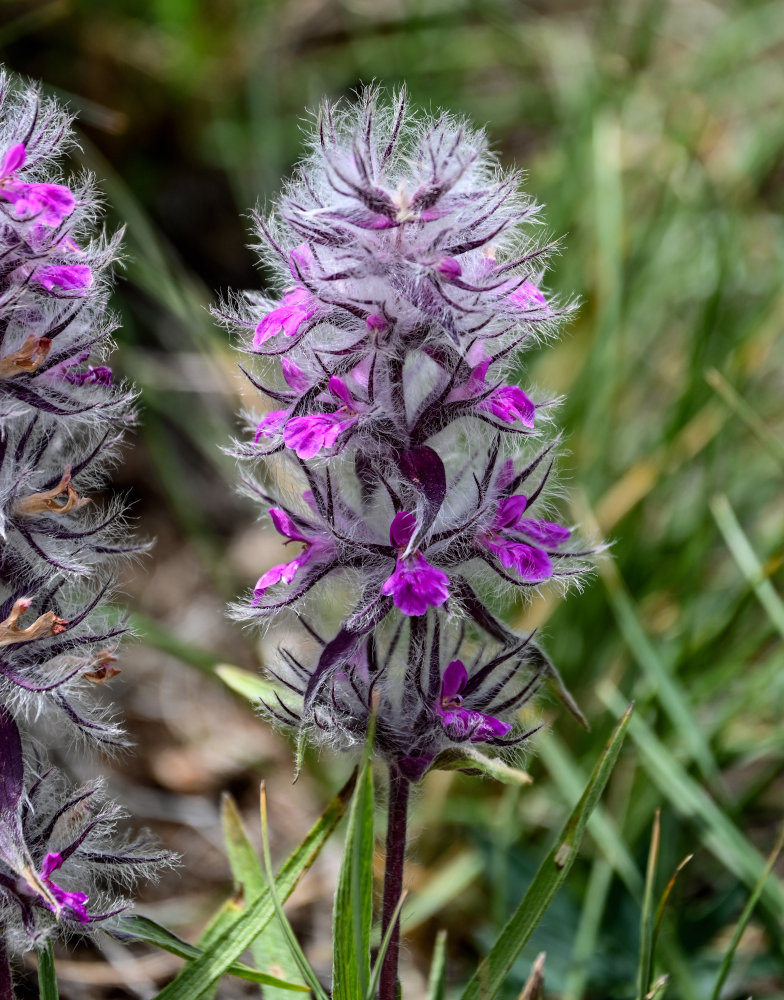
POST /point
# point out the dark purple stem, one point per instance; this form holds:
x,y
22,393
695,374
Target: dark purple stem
x,y
393,877
6,985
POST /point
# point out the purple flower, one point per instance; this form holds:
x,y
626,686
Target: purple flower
x,y
308,435
296,307
48,203
507,402
449,268
415,585
270,424
532,563
65,278
314,547
65,901
528,296
464,723
377,323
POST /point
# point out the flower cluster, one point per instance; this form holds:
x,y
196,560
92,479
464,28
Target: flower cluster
x,y
62,417
410,469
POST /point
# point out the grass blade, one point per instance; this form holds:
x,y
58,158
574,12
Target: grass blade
x,y
747,560
138,928
295,948
199,975
269,950
720,835
745,917
47,980
645,968
491,974
436,985
353,911
382,951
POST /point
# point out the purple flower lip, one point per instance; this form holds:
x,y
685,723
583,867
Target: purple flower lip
x,y
533,564
415,585
462,723
529,297
294,310
70,903
314,547
506,402
48,203
308,435
65,279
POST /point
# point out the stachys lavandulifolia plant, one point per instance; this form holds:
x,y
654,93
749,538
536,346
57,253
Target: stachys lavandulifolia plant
x,y
403,465
62,418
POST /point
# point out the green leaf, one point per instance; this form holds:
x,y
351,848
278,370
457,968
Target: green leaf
x,y
720,835
269,950
645,966
243,682
745,917
436,986
47,980
491,974
294,946
471,761
207,969
353,911
382,951
138,928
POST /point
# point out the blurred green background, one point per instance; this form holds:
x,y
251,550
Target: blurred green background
x,y
654,134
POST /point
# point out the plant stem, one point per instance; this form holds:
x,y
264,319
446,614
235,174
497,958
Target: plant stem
x,y
397,814
6,985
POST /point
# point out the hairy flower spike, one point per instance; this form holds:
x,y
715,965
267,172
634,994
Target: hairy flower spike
x,y
417,282
61,423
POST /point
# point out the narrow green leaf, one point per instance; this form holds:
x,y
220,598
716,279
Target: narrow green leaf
x,y
220,920
471,761
492,971
722,838
243,682
747,413
197,977
745,917
295,948
747,560
382,951
47,980
665,896
645,966
436,983
269,950
353,910
138,928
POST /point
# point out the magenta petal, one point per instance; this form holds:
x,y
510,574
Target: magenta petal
x,y
307,436
544,532
294,376
454,680
531,563
284,524
339,388
53,860
528,296
76,278
13,160
449,268
270,424
376,322
416,586
510,510
294,309
509,403
487,726
402,529
301,257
